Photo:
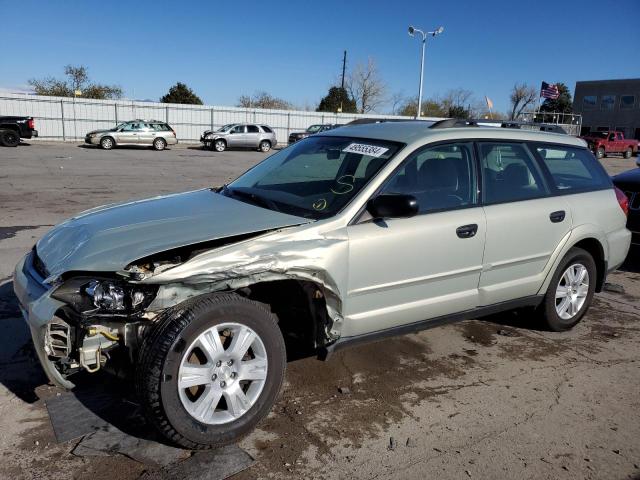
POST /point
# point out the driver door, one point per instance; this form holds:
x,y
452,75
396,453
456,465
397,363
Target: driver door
x,y
236,137
129,134
405,270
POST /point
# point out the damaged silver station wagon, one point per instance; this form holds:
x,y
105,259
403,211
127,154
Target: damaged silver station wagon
x,y
350,235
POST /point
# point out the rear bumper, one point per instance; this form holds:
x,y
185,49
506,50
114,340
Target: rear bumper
x,y
38,309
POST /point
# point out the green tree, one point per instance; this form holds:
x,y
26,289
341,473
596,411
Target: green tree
x,y
336,98
563,103
77,80
180,93
458,111
430,108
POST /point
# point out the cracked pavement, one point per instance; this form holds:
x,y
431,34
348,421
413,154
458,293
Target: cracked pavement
x,y
491,398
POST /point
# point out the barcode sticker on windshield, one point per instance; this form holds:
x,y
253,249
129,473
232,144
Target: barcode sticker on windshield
x,y
364,149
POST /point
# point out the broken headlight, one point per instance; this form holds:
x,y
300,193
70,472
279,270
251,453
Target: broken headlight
x,y
88,295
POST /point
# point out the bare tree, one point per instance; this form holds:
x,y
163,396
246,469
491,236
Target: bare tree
x,y
522,95
366,87
397,101
77,79
263,100
456,98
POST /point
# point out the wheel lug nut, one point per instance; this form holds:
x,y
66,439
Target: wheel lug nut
x,y
218,363
230,362
223,384
214,376
234,374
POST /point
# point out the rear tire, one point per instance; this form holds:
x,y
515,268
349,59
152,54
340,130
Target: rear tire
x,y
628,152
265,146
159,144
107,143
171,355
570,292
600,152
9,138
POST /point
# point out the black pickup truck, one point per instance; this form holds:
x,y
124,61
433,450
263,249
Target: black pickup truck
x,y
12,129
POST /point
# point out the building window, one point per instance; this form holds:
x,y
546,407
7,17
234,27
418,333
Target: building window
x,y
590,101
622,129
608,102
627,101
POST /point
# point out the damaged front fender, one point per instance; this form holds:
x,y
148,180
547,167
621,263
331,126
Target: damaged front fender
x,y
305,253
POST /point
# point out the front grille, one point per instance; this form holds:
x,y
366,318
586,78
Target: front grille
x,y
57,341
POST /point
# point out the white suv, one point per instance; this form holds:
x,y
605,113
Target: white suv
x,y
350,235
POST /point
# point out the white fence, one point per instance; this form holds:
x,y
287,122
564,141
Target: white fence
x,y
68,119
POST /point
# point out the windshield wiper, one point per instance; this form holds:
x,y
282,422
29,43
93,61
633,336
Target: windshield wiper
x,y
252,197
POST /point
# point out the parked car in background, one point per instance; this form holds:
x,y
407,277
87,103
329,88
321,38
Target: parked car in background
x,y
629,183
604,143
12,129
347,236
313,129
240,135
134,132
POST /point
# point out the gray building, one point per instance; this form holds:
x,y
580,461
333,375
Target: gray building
x,y
609,105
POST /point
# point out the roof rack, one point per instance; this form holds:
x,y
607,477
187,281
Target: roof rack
x,y
364,121
460,123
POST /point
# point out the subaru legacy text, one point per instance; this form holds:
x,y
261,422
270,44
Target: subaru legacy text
x,y
350,235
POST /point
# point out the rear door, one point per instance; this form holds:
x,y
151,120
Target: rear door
x,y
525,223
147,134
405,270
252,137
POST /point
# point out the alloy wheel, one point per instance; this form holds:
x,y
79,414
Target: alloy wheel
x,y
222,373
572,291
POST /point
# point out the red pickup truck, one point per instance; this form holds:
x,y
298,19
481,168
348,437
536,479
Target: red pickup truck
x,y
603,143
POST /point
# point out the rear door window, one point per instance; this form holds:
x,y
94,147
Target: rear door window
x,y
509,173
573,169
252,129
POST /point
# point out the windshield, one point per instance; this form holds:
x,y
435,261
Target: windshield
x,y
597,134
314,178
314,128
119,126
224,128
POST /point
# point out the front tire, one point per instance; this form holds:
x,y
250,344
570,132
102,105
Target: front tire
x,y
600,152
107,143
628,153
570,292
219,145
210,370
159,144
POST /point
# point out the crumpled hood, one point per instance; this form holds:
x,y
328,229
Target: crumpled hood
x,y
93,132
107,239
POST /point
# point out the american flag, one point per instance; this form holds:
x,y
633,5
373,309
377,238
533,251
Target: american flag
x,y
549,90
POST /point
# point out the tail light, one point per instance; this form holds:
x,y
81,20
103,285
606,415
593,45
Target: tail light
x,y
31,124
623,201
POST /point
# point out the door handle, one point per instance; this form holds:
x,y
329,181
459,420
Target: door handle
x,y
557,217
467,231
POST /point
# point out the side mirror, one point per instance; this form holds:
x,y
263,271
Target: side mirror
x,y
393,206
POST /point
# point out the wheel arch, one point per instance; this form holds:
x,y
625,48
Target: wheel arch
x,y
10,126
588,238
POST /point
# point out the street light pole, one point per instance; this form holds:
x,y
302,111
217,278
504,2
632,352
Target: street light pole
x,y
412,31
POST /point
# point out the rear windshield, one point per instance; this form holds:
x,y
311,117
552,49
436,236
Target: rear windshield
x,y
160,127
573,169
597,134
266,129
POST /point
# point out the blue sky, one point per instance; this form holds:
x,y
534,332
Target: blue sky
x,y
293,50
